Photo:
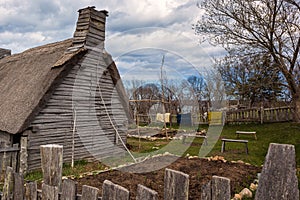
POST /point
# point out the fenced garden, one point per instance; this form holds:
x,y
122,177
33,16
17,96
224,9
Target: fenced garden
x,y
286,133
280,160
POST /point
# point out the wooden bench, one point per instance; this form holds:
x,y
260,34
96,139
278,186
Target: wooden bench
x,y
246,133
231,140
195,136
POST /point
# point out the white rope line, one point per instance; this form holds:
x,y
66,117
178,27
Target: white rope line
x,y
114,127
110,120
73,137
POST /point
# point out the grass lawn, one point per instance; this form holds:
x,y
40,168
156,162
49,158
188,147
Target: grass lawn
x,y
284,133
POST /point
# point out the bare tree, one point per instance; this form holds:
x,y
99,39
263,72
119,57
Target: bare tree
x,y
215,89
251,80
199,90
269,27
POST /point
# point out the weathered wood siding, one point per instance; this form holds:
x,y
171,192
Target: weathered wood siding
x,y
78,94
77,100
5,159
55,122
4,52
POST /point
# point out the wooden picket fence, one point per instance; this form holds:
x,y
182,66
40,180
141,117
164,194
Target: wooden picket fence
x,y
8,157
260,115
176,183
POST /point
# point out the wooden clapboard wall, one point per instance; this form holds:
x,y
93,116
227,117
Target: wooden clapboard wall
x,y
80,92
4,52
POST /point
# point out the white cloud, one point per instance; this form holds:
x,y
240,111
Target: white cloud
x,y
133,27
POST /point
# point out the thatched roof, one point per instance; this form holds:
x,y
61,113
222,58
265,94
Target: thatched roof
x,y
26,80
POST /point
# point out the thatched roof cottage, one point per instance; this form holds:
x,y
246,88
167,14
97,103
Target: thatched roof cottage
x,y
68,93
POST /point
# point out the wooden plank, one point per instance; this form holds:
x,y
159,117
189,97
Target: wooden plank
x,y
52,161
206,192
111,191
89,193
278,179
10,149
23,165
8,184
220,188
246,133
69,190
14,158
233,140
144,193
176,185
31,191
3,158
18,189
49,192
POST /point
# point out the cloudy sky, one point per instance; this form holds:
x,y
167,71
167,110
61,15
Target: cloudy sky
x,y
139,32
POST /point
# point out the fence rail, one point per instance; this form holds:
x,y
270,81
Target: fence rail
x,y
8,157
176,183
260,115
248,115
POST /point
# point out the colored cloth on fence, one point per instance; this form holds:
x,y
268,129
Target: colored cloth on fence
x,y
163,117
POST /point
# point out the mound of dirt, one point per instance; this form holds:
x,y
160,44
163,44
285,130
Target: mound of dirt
x,y
200,172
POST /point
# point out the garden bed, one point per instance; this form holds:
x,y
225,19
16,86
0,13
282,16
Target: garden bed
x,y
200,172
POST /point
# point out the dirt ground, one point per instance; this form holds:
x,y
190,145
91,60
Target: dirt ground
x,y
200,172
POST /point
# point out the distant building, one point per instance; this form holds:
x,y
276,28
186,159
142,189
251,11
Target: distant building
x,y
67,93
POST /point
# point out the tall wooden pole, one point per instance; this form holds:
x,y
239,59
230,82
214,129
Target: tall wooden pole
x,y
163,95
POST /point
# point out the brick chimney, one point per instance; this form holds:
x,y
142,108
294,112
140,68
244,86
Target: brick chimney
x,y
90,29
4,53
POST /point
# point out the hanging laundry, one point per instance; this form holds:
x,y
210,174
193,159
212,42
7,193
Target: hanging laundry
x,y
163,117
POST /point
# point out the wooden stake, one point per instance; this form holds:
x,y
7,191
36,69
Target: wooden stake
x,y
52,161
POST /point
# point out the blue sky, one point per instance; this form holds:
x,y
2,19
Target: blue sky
x,y
139,32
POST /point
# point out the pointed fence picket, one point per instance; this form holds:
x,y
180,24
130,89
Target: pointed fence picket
x,y
176,183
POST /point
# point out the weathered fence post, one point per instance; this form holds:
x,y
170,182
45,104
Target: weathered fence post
x,y
176,185
278,179
8,183
3,161
144,193
52,161
206,191
68,190
217,189
18,191
111,191
49,192
14,157
89,193
23,155
220,188
31,191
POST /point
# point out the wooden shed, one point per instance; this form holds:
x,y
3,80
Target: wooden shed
x,y
67,93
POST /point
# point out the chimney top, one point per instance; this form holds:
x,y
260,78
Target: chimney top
x,y
90,29
93,8
4,53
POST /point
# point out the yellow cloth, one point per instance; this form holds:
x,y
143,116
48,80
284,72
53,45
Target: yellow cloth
x,y
215,117
163,117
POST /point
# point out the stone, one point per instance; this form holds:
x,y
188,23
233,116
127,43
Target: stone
x,y
237,197
278,179
246,193
253,187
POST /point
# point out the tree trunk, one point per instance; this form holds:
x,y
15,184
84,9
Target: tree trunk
x,y
297,110
296,105
295,92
